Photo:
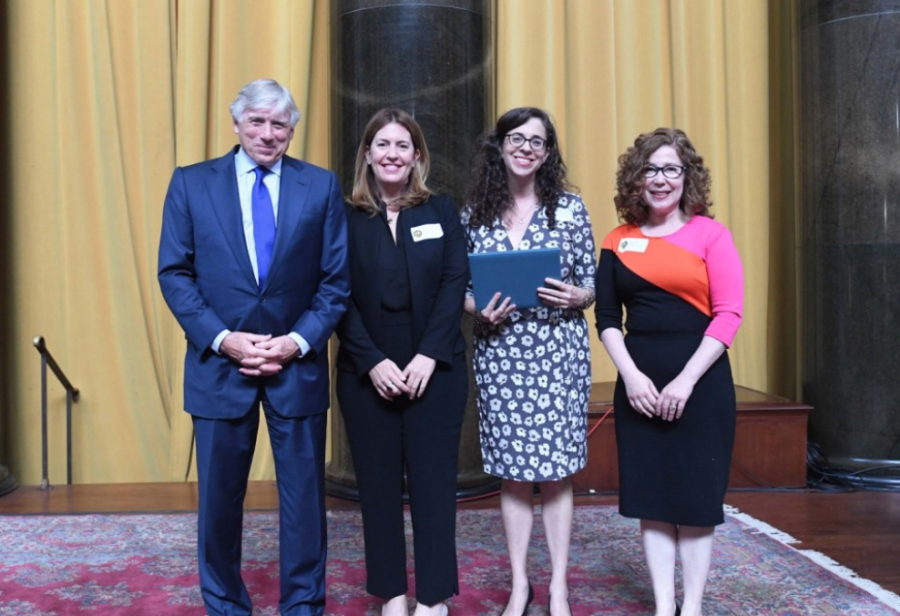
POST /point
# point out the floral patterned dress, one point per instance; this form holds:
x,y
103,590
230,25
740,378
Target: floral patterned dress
x,y
533,371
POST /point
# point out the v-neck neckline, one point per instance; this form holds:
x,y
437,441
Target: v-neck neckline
x,y
508,238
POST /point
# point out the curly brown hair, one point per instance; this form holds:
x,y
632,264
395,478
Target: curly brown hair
x,y
630,177
489,196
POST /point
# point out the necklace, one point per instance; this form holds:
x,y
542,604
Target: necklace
x,y
391,216
521,218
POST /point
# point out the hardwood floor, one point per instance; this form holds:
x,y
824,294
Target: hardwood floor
x,y
860,530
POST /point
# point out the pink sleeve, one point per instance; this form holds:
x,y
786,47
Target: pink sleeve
x,y
726,286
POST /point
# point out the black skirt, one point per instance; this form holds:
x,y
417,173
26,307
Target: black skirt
x,y
676,471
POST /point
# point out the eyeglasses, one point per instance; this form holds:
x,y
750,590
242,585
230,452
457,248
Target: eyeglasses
x,y
673,172
518,139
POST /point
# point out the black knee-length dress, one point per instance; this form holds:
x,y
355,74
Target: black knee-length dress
x,y
675,289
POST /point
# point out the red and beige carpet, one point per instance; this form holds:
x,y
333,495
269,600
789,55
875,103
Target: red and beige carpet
x,y
118,565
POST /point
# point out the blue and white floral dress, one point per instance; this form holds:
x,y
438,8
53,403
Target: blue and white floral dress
x,y
533,371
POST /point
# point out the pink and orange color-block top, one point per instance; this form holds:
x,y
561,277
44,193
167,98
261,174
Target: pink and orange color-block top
x,y
667,283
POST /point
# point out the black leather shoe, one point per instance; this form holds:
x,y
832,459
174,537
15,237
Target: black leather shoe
x,y
677,610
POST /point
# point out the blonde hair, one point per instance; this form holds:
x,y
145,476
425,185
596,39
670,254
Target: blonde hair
x,y
365,190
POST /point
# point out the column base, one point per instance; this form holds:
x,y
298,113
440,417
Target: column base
x,y
7,481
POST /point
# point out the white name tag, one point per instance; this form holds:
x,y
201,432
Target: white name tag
x,y
427,232
565,214
633,244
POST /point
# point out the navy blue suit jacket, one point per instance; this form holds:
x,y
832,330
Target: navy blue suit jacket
x,y
207,280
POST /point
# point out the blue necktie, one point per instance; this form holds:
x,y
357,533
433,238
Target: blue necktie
x,y
263,224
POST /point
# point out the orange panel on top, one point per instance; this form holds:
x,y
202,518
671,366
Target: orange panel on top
x,y
664,264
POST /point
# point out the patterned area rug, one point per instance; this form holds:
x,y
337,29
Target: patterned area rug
x,y
114,565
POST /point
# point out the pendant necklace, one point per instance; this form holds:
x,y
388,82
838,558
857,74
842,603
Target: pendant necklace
x,y
387,214
521,219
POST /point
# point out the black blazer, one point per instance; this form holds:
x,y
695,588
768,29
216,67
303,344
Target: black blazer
x,y
438,275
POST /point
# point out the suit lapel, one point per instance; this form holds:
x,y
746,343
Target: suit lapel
x,y
291,203
226,204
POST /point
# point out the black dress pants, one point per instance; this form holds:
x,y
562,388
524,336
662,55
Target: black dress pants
x,y
422,438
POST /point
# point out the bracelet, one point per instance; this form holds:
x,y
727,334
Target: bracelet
x,y
589,299
479,316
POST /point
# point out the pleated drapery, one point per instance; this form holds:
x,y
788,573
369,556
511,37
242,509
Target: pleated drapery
x,y
104,99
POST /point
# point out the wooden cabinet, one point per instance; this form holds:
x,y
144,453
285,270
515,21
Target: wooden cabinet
x,y
769,448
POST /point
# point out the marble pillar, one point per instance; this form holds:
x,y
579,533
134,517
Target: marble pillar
x,y
848,75
431,58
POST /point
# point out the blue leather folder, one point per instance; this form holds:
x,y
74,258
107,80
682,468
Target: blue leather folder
x,y
515,273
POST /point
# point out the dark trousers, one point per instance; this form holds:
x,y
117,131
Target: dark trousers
x,y
421,437
224,453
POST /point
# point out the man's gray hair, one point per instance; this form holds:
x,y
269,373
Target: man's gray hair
x,y
264,94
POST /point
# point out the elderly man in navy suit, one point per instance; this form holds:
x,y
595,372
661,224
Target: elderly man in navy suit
x,y
253,264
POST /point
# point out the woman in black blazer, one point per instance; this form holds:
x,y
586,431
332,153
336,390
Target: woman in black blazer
x,y
402,380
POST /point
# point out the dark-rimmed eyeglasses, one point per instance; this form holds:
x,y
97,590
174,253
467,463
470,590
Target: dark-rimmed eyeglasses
x,y
518,139
673,172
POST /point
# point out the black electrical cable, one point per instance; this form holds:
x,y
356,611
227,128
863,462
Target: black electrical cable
x,y
878,475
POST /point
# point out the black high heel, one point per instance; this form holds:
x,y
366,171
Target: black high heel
x,y
677,610
568,605
530,599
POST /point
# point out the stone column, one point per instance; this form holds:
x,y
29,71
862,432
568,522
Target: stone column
x,y
848,54
431,58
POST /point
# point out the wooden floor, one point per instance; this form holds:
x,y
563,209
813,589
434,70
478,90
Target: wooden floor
x,y
860,530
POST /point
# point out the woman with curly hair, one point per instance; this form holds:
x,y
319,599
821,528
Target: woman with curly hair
x,y
532,366
679,277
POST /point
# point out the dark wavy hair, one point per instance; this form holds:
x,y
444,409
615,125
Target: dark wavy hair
x,y
489,195
630,177
365,193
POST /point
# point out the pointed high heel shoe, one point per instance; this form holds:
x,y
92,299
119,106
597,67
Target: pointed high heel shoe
x,y
568,605
528,602
530,598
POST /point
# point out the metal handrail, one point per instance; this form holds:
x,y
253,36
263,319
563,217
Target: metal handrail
x,y
71,396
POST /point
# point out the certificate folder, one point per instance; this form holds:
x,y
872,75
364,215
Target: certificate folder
x,y
514,273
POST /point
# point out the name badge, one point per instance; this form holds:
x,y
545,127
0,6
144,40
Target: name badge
x,y
633,244
565,214
427,232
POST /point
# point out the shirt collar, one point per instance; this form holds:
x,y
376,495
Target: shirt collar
x,y
244,164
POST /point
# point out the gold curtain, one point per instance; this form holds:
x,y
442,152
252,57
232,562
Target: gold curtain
x,y
106,97
610,70
90,133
